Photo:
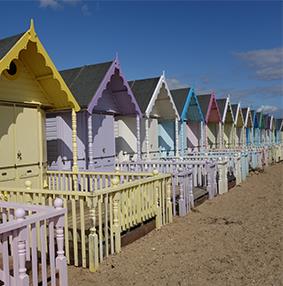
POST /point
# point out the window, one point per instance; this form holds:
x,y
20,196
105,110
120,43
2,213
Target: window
x,y
13,70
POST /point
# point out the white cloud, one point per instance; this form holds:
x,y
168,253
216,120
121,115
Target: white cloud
x,y
85,10
267,109
267,64
174,83
54,4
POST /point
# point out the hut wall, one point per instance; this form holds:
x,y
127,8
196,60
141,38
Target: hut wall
x,y
152,136
238,136
103,142
22,133
193,135
227,134
126,137
166,136
22,89
212,134
59,140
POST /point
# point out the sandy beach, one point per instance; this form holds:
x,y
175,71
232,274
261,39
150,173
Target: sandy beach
x,y
234,239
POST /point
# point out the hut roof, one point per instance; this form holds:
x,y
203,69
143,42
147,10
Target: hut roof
x,y
27,48
143,90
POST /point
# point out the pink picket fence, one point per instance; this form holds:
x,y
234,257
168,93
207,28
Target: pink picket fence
x,y
32,244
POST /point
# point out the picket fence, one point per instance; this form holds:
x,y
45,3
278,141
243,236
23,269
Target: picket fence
x,y
29,236
97,218
187,175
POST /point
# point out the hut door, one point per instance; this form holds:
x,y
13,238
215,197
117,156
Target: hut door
x,y
27,152
166,137
7,134
19,145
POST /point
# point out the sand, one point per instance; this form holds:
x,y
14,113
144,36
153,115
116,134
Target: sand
x,y
234,239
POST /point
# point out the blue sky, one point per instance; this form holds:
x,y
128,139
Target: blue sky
x,y
232,47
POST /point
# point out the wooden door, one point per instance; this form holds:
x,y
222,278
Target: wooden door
x,y
7,135
27,142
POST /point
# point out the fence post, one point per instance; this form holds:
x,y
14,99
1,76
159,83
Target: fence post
x,y
116,222
190,186
168,200
27,196
223,182
61,261
158,209
93,238
22,234
182,206
158,219
237,158
209,181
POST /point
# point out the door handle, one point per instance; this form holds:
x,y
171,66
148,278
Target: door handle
x,y
19,155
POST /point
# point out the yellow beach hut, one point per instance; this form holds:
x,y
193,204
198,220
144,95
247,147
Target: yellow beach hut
x,y
29,85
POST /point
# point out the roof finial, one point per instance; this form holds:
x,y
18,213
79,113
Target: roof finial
x,y
163,73
116,56
31,27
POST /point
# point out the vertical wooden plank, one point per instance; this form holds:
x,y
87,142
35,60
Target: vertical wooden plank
x,y
15,241
100,200
106,223
111,224
66,230
52,252
34,255
43,253
5,254
75,235
83,240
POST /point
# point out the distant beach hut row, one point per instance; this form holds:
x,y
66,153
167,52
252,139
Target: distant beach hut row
x,y
119,155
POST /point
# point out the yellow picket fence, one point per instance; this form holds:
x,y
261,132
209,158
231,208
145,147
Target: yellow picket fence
x,y
90,181
96,220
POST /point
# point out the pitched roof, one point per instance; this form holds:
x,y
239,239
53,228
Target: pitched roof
x,y
265,121
7,43
180,96
244,111
234,110
221,105
58,95
204,100
143,90
278,123
85,80
259,119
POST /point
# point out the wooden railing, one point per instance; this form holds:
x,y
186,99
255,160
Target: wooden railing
x,y
31,233
96,220
89,181
238,162
186,176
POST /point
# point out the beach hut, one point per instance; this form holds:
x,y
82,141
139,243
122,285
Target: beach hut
x,y
265,129
257,118
278,131
212,119
109,113
248,126
272,129
159,123
29,85
191,120
227,121
238,124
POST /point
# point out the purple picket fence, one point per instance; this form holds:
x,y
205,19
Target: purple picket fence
x,y
29,238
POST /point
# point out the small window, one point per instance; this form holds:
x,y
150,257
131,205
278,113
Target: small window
x,y
12,71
